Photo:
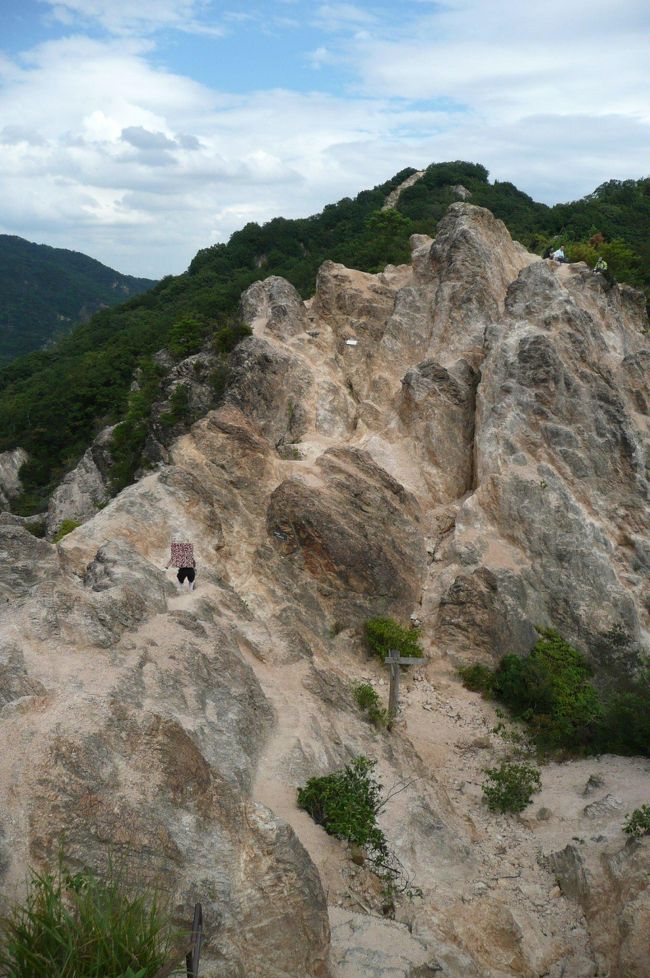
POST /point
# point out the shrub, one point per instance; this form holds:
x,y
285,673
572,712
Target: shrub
x,y
346,803
476,677
67,526
624,727
637,823
78,926
226,338
367,699
37,528
219,378
384,634
510,787
186,336
550,689
179,407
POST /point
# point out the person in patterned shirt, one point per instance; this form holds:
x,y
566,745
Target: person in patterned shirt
x,y
182,556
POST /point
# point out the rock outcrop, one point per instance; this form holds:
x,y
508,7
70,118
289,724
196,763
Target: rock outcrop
x,y
10,466
85,489
464,439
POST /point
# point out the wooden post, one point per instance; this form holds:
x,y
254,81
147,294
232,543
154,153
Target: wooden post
x,y
394,661
393,696
193,955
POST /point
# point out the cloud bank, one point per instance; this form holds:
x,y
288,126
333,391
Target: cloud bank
x,y
109,148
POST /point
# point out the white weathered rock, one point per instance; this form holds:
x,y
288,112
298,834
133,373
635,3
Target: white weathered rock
x,y
85,489
10,466
477,460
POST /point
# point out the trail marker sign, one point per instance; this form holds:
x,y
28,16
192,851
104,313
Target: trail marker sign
x,y
394,661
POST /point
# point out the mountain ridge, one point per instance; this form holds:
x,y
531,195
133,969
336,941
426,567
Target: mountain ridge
x,y
52,404
45,291
460,440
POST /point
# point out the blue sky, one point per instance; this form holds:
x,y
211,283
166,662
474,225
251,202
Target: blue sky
x,y
138,131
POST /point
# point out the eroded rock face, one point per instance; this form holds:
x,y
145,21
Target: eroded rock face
x,y
269,386
561,467
613,893
187,393
85,489
10,465
150,724
355,531
464,440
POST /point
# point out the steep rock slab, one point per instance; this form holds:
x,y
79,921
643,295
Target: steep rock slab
x,y
269,386
613,893
436,410
561,471
138,732
274,304
471,263
354,530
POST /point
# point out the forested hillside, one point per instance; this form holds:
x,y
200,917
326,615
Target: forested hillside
x,y
52,402
45,291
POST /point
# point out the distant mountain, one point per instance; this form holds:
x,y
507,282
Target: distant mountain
x,y
53,402
45,291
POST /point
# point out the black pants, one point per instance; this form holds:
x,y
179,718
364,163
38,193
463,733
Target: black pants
x,y
186,572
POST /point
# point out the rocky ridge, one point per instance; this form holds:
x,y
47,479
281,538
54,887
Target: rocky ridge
x,y
464,439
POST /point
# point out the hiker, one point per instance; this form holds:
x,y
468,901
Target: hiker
x,y
559,256
548,252
601,268
183,558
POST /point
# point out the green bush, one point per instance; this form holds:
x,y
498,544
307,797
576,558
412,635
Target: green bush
x,y
186,336
78,926
37,528
624,727
510,787
384,634
226,338
67,526
637,823
129,437
219,378
551,690
367,699
476,677
346,804
179,407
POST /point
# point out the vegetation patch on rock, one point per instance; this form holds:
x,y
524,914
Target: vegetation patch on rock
x,y
346,803
511,786
367,699
74,925
553,692
384,634
67,526
637,823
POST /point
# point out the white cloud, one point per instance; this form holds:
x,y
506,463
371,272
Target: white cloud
x,y
342,16
135,16
105,151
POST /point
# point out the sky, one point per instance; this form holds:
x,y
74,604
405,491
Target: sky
x,y
138,131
